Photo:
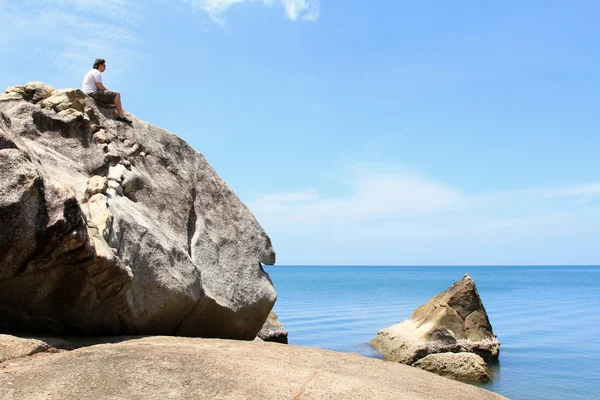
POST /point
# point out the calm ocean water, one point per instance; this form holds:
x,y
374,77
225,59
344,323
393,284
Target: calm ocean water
x,y
547,318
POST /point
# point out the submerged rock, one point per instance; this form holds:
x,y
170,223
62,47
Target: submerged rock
x,y
466,366
125,234
453,321
192,368
273,330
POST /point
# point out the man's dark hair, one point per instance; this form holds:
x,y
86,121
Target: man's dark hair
x,y
98,62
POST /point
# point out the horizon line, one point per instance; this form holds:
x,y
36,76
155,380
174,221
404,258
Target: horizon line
x,y
433,265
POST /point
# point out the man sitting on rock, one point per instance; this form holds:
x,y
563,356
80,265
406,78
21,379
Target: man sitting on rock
x,y
93,87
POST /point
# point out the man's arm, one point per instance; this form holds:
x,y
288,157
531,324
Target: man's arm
x,y
100,86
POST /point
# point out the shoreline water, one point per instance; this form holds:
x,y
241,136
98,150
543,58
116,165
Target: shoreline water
x,y
543,315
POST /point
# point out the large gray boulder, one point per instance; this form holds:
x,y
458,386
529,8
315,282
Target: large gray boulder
x,y
453,321
192,368
107,228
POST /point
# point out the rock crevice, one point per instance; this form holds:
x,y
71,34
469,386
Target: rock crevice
x,y
191,225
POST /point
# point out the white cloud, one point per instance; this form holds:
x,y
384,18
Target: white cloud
x,y
406,207
372,197
308,10
214,7
403,218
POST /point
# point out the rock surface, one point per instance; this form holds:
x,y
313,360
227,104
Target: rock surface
x,y
453,321
188,368
273,330
111,229
467,366
12,347
37,91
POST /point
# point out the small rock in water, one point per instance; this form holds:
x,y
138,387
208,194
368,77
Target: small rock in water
x,y
456,366
453,321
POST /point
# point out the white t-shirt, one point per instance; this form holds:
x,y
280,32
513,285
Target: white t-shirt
x,y
89,81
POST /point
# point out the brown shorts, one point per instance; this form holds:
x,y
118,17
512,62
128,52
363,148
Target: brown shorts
x,y
104,96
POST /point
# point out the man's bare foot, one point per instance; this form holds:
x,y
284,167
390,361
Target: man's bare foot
x,y
124,119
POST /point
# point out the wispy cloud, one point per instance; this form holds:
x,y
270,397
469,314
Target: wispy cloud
x,y
371,197
305,9
67,35
120,10
308,10
404,207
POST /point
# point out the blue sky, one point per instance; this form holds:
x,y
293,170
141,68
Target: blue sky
x,y
394,133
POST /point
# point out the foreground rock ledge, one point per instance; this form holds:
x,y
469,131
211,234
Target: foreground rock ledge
x,y
192,368
453,321
112,229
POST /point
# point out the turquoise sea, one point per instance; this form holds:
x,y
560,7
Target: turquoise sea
x,y
547,318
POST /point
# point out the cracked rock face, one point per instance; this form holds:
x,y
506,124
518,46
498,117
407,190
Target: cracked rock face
x,y
453,321
107,228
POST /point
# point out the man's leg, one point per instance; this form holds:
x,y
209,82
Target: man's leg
x,y
118,105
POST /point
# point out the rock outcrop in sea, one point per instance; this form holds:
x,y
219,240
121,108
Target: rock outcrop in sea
x,y
111,229
454,321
